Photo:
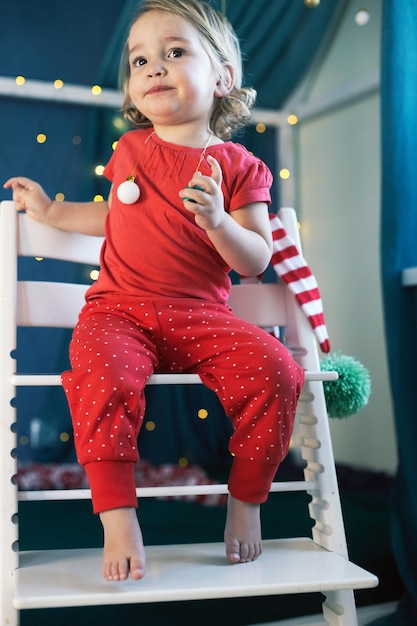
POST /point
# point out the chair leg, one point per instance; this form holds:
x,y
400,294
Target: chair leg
x,y
9,557
339,608
9,563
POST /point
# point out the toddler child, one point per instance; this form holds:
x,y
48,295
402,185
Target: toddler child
x,y
186,205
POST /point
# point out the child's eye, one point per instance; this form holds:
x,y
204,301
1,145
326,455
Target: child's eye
x,y
176,53
138,61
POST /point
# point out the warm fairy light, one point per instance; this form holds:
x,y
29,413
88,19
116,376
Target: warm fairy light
x,y
96,90
98,198
284,173
64,437
94,274
41,138
183,462
20,80
99,169
150,425
38,258
260,128
59,197
119,123
362,17
114,144
202,414
292,119
58,84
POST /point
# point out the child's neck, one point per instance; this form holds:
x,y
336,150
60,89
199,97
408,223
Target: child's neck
x,y
187,135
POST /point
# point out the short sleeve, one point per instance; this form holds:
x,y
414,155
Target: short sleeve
x,y
252,184
108,171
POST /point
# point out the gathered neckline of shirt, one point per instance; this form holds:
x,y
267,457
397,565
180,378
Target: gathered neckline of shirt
x,y
152,136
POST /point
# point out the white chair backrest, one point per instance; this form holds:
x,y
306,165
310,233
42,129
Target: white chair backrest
x,y
43,303
56,304
39,240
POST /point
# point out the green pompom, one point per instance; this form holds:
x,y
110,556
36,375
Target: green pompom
x,y
350,393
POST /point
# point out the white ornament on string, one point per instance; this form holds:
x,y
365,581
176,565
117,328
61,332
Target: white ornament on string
x,y
128,191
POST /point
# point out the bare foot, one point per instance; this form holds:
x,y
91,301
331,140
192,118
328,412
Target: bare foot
x,y
124,554
242,534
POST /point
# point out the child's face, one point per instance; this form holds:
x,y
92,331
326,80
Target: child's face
x,y
172,78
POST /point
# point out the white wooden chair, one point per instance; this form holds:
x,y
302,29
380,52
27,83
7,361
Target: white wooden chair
x,y
68,578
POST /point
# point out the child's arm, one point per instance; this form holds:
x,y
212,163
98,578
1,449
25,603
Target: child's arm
x,y
81,217
243,238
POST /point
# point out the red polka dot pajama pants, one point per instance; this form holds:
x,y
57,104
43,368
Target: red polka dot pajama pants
x,y
118,344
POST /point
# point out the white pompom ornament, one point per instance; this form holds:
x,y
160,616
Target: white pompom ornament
x,y
128,191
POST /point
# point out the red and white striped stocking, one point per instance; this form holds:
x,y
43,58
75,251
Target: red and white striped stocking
x,y
293,270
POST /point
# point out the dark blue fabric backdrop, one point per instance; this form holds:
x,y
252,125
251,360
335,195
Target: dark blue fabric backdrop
x,y
398,251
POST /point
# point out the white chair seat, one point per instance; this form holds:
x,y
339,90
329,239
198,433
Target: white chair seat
x,y
63,578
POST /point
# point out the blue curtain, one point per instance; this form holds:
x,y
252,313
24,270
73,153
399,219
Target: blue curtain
x,y
398,251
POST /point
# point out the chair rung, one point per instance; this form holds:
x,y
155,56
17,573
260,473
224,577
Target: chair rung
x,y
46,380
40,380
155,492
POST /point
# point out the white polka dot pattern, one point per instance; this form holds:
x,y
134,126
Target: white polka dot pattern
x,y
116,346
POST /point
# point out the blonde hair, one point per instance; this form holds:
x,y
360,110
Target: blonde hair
x,y
231,111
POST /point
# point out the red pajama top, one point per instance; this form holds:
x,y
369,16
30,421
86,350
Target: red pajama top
x,y
153,248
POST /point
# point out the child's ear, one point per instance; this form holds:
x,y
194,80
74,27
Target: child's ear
x,y
226,82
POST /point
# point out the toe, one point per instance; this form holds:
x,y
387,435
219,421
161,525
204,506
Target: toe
x,y
233,551
245,553
137,568
123,570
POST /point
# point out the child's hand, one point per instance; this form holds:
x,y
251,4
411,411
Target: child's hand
x,y
30,197
204,197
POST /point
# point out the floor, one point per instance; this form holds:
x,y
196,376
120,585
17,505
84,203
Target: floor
x,y
365,615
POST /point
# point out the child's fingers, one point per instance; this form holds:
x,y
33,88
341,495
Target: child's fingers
x,y
216,172
20,181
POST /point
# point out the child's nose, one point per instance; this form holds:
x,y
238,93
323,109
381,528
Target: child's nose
x,y
156,69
